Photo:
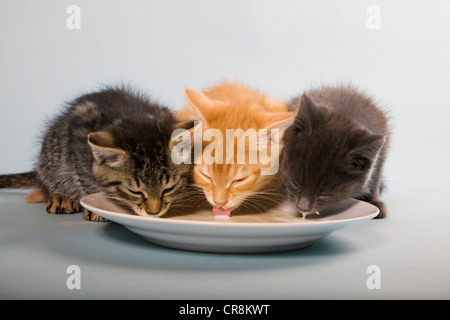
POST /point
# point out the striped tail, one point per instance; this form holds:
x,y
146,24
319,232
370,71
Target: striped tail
x,y
25,180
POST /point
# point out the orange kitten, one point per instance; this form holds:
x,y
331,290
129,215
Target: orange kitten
x,y
230,108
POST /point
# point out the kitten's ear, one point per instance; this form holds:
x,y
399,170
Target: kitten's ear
x,y
362,157
278,122
186,125
198,99
105,150
201,105
305,115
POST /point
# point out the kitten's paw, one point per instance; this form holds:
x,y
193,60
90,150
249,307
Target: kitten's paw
x,y
36,196
90,216
382,207
62,205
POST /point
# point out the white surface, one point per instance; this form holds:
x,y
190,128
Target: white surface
x,y
280,47
200,231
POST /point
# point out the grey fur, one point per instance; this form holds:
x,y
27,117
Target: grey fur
x,y
335,149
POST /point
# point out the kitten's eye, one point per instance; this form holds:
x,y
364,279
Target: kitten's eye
x,y
168,190
112,184
294,184
239,180
139,193
206,177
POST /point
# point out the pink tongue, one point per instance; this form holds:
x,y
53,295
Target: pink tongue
x,y
221,211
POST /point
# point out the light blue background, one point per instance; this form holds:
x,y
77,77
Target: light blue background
x,y
279,47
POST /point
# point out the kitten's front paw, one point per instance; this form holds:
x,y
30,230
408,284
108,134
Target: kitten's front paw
x,y
90,216
382,207
61,205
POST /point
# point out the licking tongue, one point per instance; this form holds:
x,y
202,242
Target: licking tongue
x,y
218,211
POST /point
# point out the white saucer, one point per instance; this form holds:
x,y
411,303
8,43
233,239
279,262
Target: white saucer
x,y
267,232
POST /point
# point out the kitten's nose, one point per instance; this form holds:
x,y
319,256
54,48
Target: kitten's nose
x,y
305,205
220,203
220,197
153,205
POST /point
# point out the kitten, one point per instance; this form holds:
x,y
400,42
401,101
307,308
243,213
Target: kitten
x,y
116,141
233,106
335,149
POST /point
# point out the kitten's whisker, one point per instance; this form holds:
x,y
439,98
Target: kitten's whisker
x,y
264,199
251,204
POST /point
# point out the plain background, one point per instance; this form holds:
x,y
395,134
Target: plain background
x,y
279,47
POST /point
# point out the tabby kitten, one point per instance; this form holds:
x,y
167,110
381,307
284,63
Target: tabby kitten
x,y
116,141
335,149
233,106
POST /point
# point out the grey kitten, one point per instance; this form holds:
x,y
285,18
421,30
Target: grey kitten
x,y
335,149
116,141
